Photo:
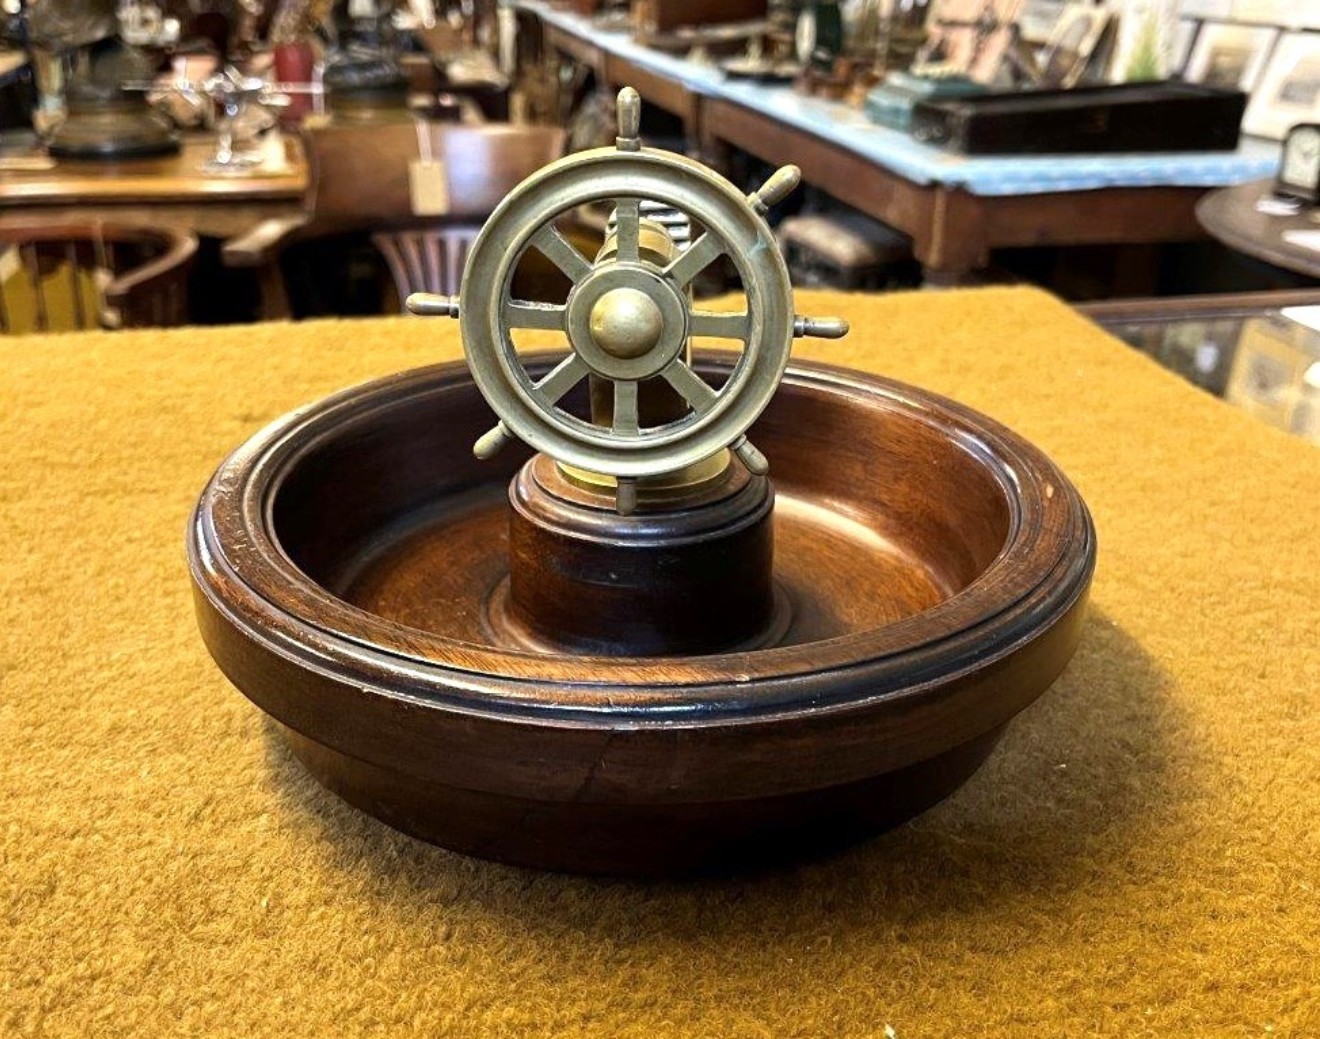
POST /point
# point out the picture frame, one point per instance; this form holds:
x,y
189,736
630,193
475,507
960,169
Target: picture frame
x,y
1230,56
1038,18
1289,91
1270,378
1184,39
1073,42
1290,14
971,36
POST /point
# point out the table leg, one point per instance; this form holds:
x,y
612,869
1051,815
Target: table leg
x,y
274,295
951,247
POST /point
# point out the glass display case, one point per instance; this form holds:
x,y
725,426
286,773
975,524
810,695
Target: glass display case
x,y
1258,351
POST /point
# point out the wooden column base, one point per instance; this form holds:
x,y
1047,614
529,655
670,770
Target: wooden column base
x,y
688,577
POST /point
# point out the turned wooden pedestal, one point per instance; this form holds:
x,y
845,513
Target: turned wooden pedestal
x,y
683,576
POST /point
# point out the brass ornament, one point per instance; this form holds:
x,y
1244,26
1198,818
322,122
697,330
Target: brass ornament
x,y
629,315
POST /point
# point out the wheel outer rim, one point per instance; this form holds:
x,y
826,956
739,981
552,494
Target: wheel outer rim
x,y
601,175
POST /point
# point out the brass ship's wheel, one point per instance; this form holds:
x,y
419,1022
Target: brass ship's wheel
x,y
629,315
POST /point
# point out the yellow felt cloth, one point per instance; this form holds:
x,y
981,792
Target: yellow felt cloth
x,y
1140,857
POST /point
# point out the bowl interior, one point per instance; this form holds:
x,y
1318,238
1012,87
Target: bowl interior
x,y
884,509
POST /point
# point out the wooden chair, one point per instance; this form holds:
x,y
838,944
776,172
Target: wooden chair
x,y
61,275
361,182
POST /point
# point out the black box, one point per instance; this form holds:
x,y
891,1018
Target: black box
x,y
1128,117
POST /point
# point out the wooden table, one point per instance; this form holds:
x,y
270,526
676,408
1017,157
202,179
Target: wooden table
x,y
953,230
1231,216
942,202
170,190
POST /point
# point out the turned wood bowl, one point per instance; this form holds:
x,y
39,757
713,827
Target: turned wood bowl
x,y
935,565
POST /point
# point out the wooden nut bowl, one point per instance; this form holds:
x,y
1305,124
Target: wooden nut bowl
x,y
936,566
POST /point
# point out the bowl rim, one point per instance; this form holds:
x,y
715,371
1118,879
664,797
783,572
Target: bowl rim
x,y
1041,572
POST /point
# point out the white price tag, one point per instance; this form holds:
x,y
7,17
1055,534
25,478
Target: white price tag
x,y
428,185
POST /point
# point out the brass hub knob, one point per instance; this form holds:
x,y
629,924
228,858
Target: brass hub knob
x,y
626,323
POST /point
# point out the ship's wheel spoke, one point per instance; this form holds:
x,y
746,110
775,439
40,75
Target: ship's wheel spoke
x,y
627,229
522,314
565,375
625,408
561,252
689,386
719,326
702,253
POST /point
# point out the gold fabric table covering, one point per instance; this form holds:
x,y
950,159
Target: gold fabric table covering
x,y
1140,857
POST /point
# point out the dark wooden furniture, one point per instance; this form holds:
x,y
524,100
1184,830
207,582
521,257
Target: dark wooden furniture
x,y
1114,118
360,182
349,564
114,275
1230,215
490,161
